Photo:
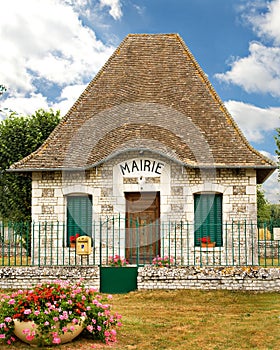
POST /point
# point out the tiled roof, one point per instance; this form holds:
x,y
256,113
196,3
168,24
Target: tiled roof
x,y
151,94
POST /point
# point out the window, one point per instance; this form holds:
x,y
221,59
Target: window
x,y
79,216
208,218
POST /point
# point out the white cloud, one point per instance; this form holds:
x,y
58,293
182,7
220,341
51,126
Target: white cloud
x,y
46,39
266,22
272,186
26,105
68,97
258,72
140,9
115,7
251,119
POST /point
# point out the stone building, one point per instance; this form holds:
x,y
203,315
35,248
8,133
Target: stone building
x,y
148,141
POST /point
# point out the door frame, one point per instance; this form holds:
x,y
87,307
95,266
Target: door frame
x,y
135,230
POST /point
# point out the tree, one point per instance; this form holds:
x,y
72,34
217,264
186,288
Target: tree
x,y
275,213
264,210
20,136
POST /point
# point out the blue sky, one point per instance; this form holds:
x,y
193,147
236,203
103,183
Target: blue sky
x,y
51,49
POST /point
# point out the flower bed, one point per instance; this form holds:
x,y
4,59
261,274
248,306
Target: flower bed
x,y
163,261
117,261
55,308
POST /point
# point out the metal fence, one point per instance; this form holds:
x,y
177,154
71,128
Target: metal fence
x,y
48,243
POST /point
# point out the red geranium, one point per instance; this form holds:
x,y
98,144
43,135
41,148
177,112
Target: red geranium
x,y
206,239
73,238
58,305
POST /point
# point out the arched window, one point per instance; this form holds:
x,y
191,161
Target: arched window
x,y
208,218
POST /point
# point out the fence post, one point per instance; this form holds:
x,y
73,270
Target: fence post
x,y
100,242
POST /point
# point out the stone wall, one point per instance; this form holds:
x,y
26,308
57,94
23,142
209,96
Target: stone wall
x,y
227,278
256,279
26,277
177,185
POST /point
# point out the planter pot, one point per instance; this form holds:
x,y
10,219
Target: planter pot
x,y
21,327
208,245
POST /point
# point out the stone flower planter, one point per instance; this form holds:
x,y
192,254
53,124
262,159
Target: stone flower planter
x,y
26,332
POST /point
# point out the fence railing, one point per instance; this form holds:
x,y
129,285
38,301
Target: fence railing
x,y
48,243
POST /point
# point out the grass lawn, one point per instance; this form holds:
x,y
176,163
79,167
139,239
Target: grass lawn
x,y
184,320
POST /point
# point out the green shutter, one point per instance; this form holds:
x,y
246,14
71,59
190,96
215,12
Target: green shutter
x,y
208,217
79,216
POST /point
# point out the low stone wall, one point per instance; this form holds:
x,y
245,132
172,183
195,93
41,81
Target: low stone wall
x,y
227,278
26,277
257,279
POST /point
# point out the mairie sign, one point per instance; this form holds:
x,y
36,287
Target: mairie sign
x,y
134,167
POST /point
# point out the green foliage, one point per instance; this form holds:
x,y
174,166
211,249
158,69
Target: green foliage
x,y
264,210
275,213
20,136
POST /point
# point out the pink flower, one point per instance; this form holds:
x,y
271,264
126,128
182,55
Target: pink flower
x,y
46,323
8,319
27,312
99,328
29,337
90,328
2,336
55,319
11,302
56,340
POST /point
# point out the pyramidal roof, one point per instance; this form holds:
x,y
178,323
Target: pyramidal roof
x,y
150,95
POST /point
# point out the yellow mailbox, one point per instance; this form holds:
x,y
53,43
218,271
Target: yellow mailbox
x,y
83,245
